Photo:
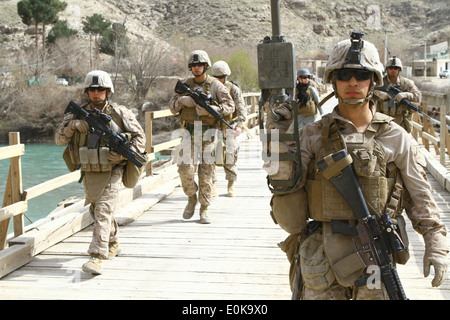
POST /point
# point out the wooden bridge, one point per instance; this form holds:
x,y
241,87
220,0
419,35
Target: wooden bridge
x,y
165,257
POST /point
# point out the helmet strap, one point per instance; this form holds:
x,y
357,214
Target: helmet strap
x,y
204,70
97,103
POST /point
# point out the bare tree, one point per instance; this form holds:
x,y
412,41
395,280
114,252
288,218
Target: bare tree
x,y
70,58
146,62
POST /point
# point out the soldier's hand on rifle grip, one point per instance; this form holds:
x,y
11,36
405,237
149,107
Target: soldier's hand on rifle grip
x,y
115,157
403,95
80,125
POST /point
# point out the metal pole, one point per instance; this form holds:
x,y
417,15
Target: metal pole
x,y
276,24
425,60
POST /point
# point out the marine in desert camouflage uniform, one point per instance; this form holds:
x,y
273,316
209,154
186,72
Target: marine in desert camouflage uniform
x,y
101,182
401,114
222,71
197,121
385,161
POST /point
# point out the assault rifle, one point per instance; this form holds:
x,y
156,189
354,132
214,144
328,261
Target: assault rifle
x,y
201,99
392,91
98,123
378,239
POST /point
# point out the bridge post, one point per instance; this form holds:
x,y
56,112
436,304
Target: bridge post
x,y
13,193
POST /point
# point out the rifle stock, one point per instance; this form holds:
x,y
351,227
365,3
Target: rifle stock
x,y
200,99
378,239
98,123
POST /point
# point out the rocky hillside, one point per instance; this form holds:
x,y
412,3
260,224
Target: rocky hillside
x,y
312,25
219,26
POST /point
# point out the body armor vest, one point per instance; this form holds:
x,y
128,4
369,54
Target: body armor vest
x,y
189,115
94,159
376,179
310,108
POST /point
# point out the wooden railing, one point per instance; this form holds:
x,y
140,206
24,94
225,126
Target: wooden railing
x,y
423,127
15,201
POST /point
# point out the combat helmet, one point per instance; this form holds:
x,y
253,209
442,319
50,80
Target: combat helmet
x,y
220,68
98,79
303,72
394,62
198,56
354,53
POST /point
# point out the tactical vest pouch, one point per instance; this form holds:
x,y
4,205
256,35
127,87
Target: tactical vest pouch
x,y
105,165
190,116
364,162
342,256
71,153
93,159
71,165
132,173
309,109
315,268
84,159
290,211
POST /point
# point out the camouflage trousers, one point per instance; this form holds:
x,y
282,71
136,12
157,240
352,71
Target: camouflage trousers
x,y
205,168
229,168
102,207
338,292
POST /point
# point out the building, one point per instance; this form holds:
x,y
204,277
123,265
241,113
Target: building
x,y
434,58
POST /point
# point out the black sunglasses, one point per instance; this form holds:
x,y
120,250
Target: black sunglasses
x,y
395,68
347,74
197,64
99,89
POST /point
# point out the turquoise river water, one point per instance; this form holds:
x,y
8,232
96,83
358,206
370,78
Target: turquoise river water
x,y
40,163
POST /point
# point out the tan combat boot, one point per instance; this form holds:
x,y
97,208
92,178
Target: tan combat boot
x,y
204,218
113,249
94,265
190,207
231,192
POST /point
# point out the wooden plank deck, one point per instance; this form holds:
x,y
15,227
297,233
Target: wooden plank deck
x,y
165,257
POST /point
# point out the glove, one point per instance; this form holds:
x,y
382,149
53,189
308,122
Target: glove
x,y
439,263
436,251
202,111
80,125
115,157
287,114
186,101
403,95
